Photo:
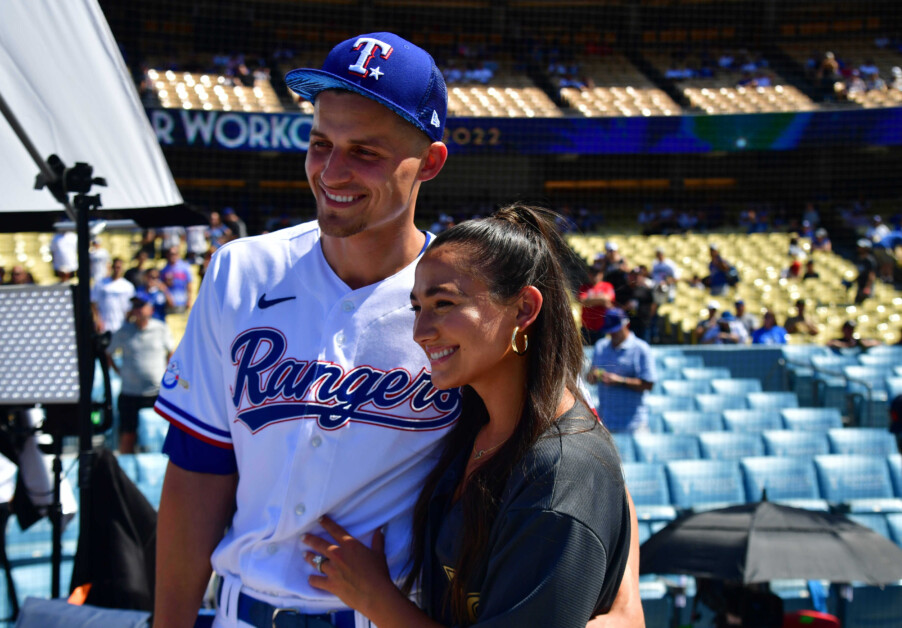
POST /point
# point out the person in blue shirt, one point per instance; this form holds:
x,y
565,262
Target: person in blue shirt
x,y
770,333
624,370
177,276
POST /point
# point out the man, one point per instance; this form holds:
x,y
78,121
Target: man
x,y
848,339
297,390
802,322
748,320
770,333
728,331
231,220
624,369
721,273
176,274
595,297
111,299
154,290
665,274
706,325
146,347
64,254
18,276
867,271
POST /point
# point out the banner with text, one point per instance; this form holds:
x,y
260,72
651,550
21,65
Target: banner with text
x,y
290,132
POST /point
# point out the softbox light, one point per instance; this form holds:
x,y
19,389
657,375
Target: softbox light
x,y
62,75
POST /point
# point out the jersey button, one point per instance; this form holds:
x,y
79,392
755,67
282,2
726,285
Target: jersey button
x,y
300,509
316,441
347,306
272,548
340,338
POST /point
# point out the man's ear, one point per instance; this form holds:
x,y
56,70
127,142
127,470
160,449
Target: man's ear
x,y
435,159
529,305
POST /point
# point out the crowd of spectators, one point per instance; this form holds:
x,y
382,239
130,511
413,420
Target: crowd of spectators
x,y
748,68
838,79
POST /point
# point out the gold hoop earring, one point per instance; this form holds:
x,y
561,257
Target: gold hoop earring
x,y
514,342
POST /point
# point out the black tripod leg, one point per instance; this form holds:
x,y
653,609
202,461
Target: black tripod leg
x,y
4,562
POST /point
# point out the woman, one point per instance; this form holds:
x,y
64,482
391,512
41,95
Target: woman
x,y
524,520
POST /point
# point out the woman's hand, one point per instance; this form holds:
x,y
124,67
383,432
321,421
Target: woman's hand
x,y
355,573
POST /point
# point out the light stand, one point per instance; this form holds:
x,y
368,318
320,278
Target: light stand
x,y
62,181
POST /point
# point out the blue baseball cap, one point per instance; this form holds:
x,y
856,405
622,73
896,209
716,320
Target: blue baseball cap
x,y
385,68
614,320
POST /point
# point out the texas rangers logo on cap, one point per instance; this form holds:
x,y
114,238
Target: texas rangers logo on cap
x,y
368,47
388,69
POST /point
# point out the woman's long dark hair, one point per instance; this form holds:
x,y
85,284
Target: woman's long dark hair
x,y
516,247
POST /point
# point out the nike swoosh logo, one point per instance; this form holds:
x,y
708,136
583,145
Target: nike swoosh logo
x,y
264,303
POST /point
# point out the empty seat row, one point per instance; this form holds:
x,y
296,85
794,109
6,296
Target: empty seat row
x,y
664,447
683,412
858,483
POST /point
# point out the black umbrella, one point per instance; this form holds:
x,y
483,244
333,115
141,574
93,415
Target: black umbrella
x,y
763,541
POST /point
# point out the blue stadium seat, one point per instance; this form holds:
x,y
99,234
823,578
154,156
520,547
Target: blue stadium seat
x,y
894,462
880,359
624,442
647,484
785,478
772,400
894,523
798,374
893,387
876,521
663,403
866,389
151,471
691,422
752,420
862,483
152,430
706,372
811,419
730,445
795,443
129,464
682,361
873,607
828,379
898,371
869,441
685,388
739,386
704,484
893,350
720,403
665,447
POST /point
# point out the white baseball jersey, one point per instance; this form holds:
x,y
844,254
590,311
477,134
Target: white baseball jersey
x,y
323,395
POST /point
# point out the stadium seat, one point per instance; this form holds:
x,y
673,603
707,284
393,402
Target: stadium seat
x,y
691,422
868,441
647,484
894,524
663,403
876,521
880,359
730,445
706,372
151,471
772,400
682,361
752,420
624,442
862,483
898,371
893,387
720,403
811,419
704,484
891,350
666,447
873,607
894,462
785,479
739,386
686,388
866,390
152,430
795,443
129,465
828,379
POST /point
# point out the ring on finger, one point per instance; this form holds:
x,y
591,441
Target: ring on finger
x,y
318,561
